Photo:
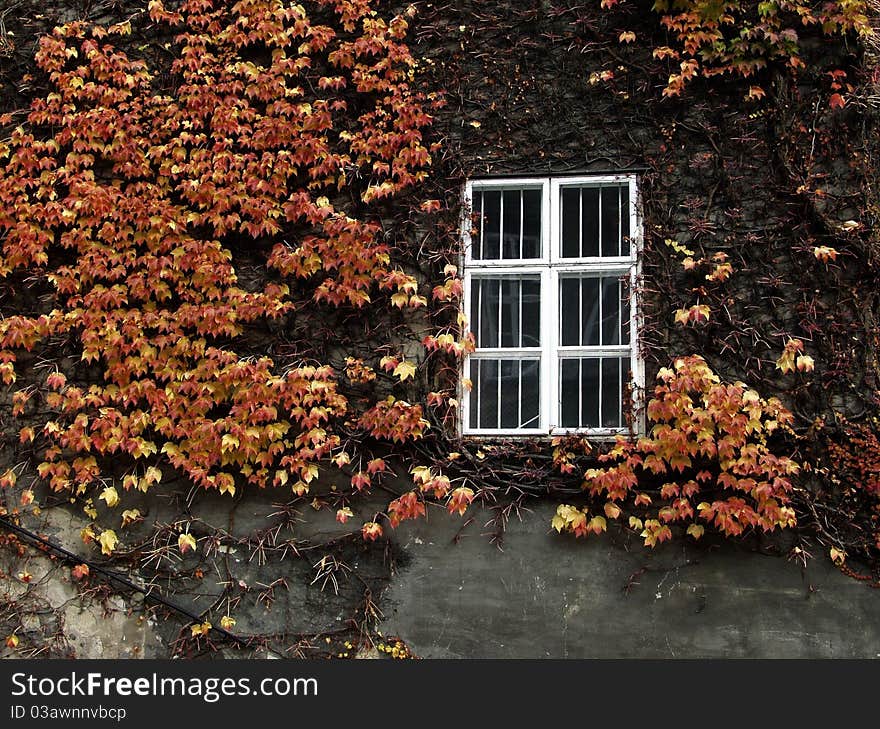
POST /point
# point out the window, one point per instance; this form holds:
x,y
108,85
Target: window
x,y
550,267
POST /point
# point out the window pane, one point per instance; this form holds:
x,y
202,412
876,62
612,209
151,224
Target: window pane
x,y
590,393
590,213
531,393
571,229
511,239
531,224
487,324
531,312
516,382
569,401
474,414
486,391
510,301
506,311
624,221
476,225
610,221
624,310
569,301
611,392
476,298
610,310
491,224
510,393
590,312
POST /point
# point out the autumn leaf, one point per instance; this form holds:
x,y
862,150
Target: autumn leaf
x,y
227,622
344,514
404,370
12,641
371,531
459,500
8,479
838,556
825,253
186,542
200,629
696,530
110,496
804,363
108,540
129,516
612,511
80,572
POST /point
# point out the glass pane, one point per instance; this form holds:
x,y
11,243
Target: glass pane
x,y
530,392
624,221
624,311
487,329
476,225
531,224
569,401
487,393
610,221
571,228
510,326
511,238
569,298
590,312
510,393
531,312
590,393
590,213
476,297
611,393
610,310
491,224
473,416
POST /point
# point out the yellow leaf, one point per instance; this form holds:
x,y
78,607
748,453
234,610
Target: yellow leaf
x,y
838,556
153,474
12,641
558,523
110,496
108,540
186,542
227,622
404,370
421,474
696,530
228,443
129,516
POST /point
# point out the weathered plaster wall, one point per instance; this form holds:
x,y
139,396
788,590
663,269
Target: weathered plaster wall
x,y
547,597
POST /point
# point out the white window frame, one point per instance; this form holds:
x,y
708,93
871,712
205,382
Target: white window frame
x,y
550,267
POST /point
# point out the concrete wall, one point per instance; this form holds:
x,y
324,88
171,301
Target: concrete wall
x,y
547,596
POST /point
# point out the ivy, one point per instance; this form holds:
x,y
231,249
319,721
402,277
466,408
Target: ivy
x,y
281,132
742,37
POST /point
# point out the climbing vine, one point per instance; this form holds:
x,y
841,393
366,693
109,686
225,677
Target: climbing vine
x,y
230,255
